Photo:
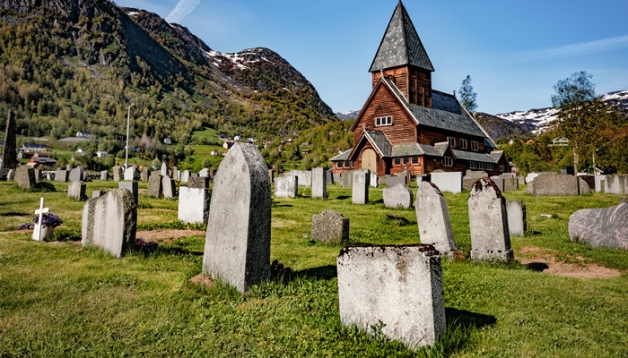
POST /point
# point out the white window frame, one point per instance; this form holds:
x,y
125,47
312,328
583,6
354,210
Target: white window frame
x,y
475,146
448,161
463,144
452,142
383,121
473,165
501,168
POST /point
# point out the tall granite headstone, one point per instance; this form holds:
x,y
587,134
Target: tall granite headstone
x,y
360,192
168,187
488,221
319,183
131,186
237,244
516,217
164,169
432,216
154,185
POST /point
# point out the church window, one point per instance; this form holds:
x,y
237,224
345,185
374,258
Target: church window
x,y
383,121
447,161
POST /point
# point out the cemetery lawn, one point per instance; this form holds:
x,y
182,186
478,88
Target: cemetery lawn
x,y
60,299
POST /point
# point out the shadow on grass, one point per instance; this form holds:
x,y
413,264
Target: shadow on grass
x,y
342,197
468,319
460,324
537,266
322,273
169,250
14,213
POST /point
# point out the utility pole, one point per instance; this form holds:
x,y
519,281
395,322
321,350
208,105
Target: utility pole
x,y
128,123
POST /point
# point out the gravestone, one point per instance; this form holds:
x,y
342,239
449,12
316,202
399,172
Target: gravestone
x,y
432,216
329,177
68,167
554,185
475,174
346,179
117,173
10,174
398,289
511,184
616,184
517,221
448,181
488,221
154,184
37,174
129,174
305,177
420,178
337,178
41,232
599,179
319,184
104,175
25,177
521,181
394,180
374,180
98,193
164,169
194,204
109,221
169,188
76,174
237,244
50,176
131,186
399,196
467,183
583,187
61,176
198,182
144,175
9,152
499,181
185,176
76,190
531,176
360,186
286,187
605,227
330,227
589,179
204,173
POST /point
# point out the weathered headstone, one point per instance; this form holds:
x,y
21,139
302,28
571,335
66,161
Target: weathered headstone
x,y
374,180
61,176
360,192
337,178
109,222
305,177
319,184
475,174
499,181
129,174
432,216
37,174
131,186
511,184
198,182
583,187
117,173
346,179
394,180
25,177
488,221
104,175
194,204
329,177
185,176
398,289
9,153
164,169
517,221
144,175
616,184
76,190
448,181
286,187
330,227
154,185
204,173
168,187
76,173
399,196
606,227
237,245
554,185
599,179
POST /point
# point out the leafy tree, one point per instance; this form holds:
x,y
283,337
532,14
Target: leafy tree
x,y
575,89
468,96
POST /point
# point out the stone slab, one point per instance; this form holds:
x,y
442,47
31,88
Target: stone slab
x,y
517,217
131,186
448,181
198,182
319,183
605,227
25,177
360,187
433,219
286,186
194,204
399,196
76,190
330,227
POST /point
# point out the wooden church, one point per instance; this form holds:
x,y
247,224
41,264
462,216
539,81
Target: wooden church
x,y
405,125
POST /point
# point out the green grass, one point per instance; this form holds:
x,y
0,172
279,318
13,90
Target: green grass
x,y
59,299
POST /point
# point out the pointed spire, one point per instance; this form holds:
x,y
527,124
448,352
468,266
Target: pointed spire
x,y
401,45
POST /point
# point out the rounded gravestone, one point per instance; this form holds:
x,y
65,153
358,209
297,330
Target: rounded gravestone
x,y
606,227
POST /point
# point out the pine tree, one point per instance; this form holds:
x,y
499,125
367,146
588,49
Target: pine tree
x,y
468,96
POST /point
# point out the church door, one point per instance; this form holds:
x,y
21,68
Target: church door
x,y
369,160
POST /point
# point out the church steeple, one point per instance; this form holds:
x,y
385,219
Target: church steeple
x,y
401,45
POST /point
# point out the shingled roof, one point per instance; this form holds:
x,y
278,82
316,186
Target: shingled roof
x,y
401,45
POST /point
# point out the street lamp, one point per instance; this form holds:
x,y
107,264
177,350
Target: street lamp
x,y
128,122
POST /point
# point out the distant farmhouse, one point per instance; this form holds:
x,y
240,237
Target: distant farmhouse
x,y
405,125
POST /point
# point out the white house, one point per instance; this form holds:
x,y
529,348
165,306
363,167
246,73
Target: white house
x,y
101,154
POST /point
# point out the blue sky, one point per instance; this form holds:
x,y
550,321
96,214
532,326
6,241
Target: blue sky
x,y
514,51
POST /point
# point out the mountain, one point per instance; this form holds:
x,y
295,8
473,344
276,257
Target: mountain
x,y
348,114
77,65
538,120
498,128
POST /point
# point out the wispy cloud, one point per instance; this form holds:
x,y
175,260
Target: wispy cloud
x,y
183,8
584,48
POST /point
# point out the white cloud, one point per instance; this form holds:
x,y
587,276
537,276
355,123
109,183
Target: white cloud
x,y
584,48
183,8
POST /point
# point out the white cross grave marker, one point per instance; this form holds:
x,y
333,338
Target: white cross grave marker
x,y
41,211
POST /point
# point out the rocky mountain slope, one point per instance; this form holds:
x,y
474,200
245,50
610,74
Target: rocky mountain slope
x,y
76,65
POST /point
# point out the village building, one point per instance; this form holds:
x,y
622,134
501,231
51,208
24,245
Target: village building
x,y
405,125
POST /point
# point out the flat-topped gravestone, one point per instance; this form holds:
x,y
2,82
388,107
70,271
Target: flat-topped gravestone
x,y
550,184
154,185
394,180
499,181
516,217
616,184
337,178
606,227
76,173
194,204
488,221
76,190
330,226
37,174
198,182
398,289
104,175
305,177
360,186
168,187
117,173
204,173
319,184
131,186
185,175
237,244
511,184
432,216
286,187
399,196
475,174
448,181
329,177
61,176
109,221
25,177
346,179
129,174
